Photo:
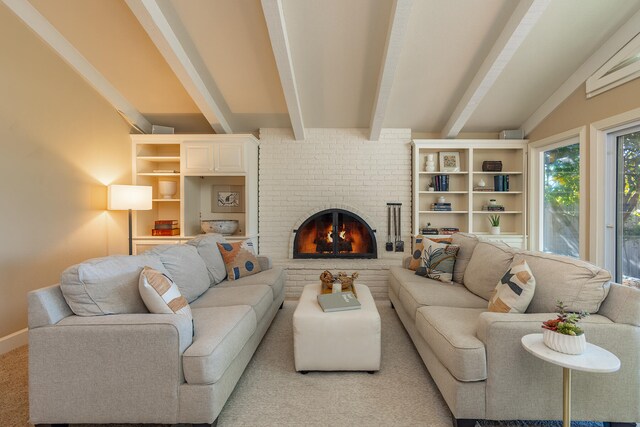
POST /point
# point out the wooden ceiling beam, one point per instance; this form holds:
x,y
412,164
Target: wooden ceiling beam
x,y
398,24
48,33
153,20
276,25
523,19
620,38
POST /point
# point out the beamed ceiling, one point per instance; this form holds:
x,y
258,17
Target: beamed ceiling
x,y
435,66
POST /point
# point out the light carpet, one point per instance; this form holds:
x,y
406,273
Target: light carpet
x,y
272,393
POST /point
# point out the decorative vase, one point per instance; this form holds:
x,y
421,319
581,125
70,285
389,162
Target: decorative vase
x,y
495,230
430,165
167,189
568,344
481,183
441,199
493,202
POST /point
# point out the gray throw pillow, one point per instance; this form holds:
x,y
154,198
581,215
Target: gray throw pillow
x,y
207,247
185,268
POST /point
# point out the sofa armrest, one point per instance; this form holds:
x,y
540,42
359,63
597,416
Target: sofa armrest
x,y
622,305
107,369
512,371
265,262
47,306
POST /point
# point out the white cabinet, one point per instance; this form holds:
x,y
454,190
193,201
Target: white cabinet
x,y
229,157
200,165
469,190
198,158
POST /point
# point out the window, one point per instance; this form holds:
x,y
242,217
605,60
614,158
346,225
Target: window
x,y
556,194
623,218
561,200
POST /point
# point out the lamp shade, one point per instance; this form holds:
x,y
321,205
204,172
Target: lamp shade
x,y
125,197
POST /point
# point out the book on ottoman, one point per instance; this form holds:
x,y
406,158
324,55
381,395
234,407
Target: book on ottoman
x,y
338,301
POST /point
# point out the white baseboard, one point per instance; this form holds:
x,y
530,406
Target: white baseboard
x,y
14,340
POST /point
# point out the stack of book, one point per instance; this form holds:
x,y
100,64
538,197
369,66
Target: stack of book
x,y
166,227
426,231
441,207
501,182
338,301
449,230
440,182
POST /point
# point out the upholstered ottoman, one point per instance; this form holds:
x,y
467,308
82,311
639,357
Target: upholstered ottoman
x,y
337,341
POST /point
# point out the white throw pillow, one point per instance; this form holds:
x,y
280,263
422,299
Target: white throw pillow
x,y
515,290
161,295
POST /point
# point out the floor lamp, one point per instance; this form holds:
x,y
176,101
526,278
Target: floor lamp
x,y
131,198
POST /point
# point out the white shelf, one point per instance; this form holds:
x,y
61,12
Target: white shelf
x,y
497,212
160,159
158,173
497,192
166,200
498,173
442,212
444,173
444,192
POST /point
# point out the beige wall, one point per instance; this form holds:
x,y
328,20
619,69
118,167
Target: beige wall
x,y
577,111
61,144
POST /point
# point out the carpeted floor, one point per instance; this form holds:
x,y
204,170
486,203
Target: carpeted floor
x,y
271,393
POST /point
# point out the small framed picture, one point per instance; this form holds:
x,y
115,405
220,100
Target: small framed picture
x,y
449,161
227,198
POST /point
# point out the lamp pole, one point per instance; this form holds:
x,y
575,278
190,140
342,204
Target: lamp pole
x,y
130,232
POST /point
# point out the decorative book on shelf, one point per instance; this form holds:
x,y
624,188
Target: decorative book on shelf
x,y
441,207
440,182
501,182
449,230
166,227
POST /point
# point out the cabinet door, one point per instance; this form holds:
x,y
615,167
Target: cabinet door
x,y
197,158
229,157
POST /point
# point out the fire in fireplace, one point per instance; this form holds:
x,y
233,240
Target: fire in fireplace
x,y
334,233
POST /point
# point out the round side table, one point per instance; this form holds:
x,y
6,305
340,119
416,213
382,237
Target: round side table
x,y
594,359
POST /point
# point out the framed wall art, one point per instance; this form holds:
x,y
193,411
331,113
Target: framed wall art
x,y
227,198
449,161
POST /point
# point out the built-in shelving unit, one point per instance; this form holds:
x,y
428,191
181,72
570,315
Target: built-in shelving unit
x,y
468,205
196,163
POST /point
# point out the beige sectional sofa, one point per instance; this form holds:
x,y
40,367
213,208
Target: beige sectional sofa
x,y
476,359
117,363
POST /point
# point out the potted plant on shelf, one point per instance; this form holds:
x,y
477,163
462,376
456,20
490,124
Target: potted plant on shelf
x,y
563,333
494,220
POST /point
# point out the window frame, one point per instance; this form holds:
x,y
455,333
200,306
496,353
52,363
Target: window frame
x,y
536,184
602,156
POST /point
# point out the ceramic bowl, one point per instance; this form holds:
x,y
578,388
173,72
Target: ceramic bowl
x,y
221,226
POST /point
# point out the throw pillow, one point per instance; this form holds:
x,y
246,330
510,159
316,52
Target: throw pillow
x,y
515,290
438,260
416,257
239,258
161,295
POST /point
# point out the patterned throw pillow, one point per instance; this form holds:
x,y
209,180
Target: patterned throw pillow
x,y
515,290
161,295
416,257
239,258
438,260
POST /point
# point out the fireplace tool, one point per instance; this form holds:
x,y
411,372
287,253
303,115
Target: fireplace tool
x,y
389,245
399,242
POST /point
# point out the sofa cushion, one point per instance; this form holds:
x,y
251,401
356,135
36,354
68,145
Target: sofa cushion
x,y
185,267
451,334
467,243
107,285
161,295
259,297
438,260
239,259
487,265
207,247
274,277
220,335
578,284
515,290
428,292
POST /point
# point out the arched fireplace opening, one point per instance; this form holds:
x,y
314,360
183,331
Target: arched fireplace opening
x,y
335,233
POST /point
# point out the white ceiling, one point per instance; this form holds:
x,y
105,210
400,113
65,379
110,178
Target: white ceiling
x,y
326,63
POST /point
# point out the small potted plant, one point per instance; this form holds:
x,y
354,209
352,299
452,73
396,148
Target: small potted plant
x,y
494,220
563,333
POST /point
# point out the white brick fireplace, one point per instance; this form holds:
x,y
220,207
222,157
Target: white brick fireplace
x,y
332,168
